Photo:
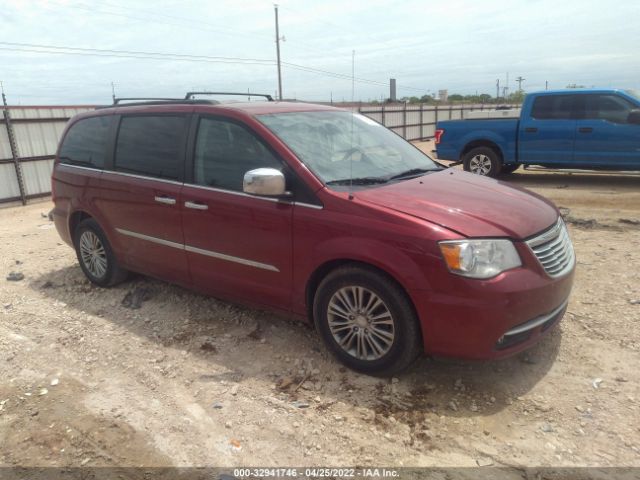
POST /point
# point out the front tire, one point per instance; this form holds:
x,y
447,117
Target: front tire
x,y
96,256
483,161
367,321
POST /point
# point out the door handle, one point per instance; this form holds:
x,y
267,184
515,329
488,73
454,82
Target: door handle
x,y
166,200
196,205
585,129
531,129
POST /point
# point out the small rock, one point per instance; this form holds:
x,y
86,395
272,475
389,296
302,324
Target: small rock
x,y
484,462
216,405
15,276
207,346
85,461
43,391
596,383
55,382
547,428
228,424
299,404
134,298
234,389
635,302
579,408
453,406
622,379
395,380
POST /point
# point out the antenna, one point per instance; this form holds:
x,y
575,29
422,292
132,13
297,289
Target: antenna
x,y
113,92
353,93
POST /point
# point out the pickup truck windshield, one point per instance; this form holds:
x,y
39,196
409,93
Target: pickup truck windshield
x,y
339,146
634,93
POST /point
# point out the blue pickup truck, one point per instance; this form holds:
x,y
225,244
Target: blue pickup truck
x,y
578,129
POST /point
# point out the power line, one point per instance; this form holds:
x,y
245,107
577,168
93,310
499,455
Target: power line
x,y
147,55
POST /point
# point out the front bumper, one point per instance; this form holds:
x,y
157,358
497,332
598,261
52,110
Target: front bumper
x,y
473,319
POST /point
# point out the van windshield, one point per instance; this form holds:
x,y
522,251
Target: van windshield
x,y
342,147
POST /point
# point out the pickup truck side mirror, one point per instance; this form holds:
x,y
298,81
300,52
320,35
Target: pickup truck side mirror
x,y
634,117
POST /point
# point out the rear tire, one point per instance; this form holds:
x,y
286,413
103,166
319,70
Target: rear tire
x,y
96,256
483,161
367,321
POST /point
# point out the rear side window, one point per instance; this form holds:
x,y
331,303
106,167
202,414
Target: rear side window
x,y
225,151
553,107
612,108
85,143
151,146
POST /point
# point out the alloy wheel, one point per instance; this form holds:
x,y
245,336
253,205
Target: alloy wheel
x,y
361,323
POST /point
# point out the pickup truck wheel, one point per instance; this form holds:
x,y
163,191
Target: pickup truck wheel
x,y
95,255
367,321
482,161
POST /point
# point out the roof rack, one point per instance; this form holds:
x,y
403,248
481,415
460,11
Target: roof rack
x,y
189,95
141,101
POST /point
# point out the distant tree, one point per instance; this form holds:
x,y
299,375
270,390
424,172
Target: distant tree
x,y
573,85
426,99
455,97
516,97
484,98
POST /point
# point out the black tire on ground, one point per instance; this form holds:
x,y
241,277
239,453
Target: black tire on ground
x,y
103,273
397,353
482,161
506,169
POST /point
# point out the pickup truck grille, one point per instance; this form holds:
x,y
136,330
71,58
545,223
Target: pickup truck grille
x,y
554,250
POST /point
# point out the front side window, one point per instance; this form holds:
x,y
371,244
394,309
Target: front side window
x,y
340,147
553,107
86,142
151,146
612,108
225,151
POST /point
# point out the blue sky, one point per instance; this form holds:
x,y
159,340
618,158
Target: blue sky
x,y
462,46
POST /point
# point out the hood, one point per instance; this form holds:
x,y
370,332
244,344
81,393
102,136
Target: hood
x,y
469,204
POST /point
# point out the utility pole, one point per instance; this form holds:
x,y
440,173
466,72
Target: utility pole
x,y
497,89
520,80
113,93
275,6
546,84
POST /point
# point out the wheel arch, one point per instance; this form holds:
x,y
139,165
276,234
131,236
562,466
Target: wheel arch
x,y
329,266
483,142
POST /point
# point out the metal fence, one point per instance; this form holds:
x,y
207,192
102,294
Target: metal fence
x,y
29,137
418,121
28,141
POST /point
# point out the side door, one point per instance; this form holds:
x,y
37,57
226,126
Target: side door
x,y
140,194
604,138
546,136
238,246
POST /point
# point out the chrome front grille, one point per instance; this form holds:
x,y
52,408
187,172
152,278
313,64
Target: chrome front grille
x,y
554,250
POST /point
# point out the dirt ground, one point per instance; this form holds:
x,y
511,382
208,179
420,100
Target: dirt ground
x,y
87,379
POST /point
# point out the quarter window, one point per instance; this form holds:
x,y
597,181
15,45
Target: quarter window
x,y
553,107
86,142
225,151
151,145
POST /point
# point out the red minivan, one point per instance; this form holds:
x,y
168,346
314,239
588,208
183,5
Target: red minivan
x,y
319,213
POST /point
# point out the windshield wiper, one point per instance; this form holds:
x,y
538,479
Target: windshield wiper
x,y
413,172
358,181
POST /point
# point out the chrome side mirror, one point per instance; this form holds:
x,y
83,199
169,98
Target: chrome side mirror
x,y
267,182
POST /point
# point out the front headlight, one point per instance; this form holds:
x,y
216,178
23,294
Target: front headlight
x,y
480,258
